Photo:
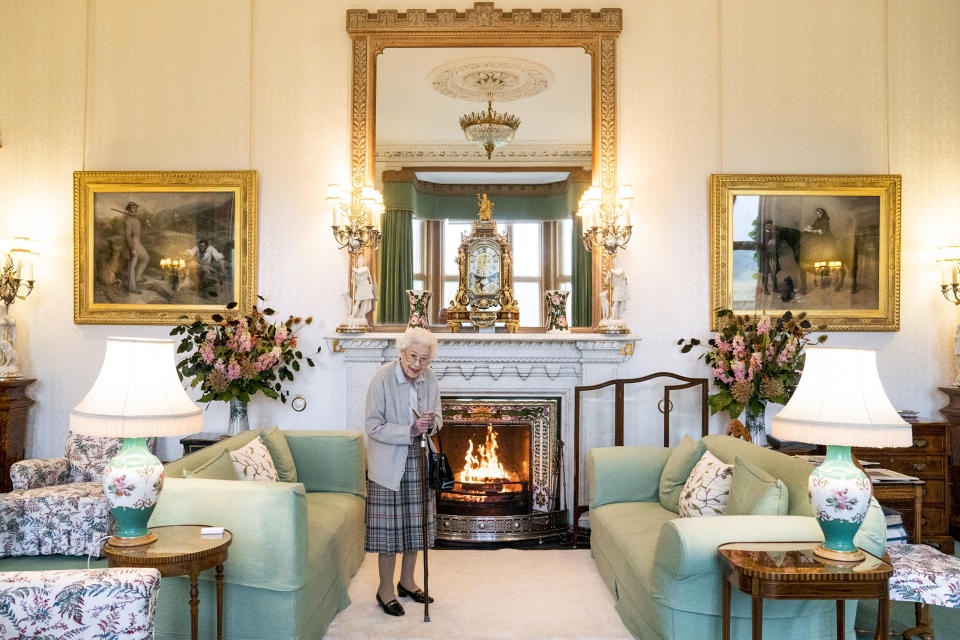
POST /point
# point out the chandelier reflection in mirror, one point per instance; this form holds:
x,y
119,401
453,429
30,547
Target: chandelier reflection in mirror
x,y
490,129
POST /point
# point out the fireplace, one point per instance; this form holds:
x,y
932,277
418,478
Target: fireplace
x,y
506,459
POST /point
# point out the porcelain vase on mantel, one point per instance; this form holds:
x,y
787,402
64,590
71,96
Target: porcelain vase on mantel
x,y
756,424
238,417
419,308
556,301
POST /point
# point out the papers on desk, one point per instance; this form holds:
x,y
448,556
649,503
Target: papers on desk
x,y
879,476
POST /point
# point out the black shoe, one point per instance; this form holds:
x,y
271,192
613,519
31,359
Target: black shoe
x,y
392,608
418,595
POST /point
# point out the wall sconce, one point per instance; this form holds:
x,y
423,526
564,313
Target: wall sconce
x,y
949,259
174,269
16,283
607,225
355,221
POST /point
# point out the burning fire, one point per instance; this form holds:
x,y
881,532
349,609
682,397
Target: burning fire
x,y
485,466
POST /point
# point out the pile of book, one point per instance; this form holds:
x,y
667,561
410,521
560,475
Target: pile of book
x,y
896,532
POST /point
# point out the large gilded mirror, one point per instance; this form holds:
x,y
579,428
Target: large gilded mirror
x,y
432,95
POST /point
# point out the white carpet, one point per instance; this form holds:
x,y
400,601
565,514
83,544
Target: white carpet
x,y
490,595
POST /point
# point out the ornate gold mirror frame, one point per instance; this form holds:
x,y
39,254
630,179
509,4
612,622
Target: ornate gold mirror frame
x,y
487,26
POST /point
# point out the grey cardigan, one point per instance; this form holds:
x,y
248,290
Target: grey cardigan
x,y
389,418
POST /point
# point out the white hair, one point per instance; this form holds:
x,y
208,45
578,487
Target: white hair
x,y
418,335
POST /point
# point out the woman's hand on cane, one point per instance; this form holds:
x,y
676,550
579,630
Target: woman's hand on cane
x,y
422,424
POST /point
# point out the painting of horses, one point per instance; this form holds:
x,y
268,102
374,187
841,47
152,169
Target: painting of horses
x,y
158,247
826,245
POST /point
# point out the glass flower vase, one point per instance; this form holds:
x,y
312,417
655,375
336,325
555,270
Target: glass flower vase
x,y
756,425
238,417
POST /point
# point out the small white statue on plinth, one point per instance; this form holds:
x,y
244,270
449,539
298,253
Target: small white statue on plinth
x,y
956,354
613,300
8,354
364,289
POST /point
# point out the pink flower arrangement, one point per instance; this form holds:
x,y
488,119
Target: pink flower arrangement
x,y
754,361
239,357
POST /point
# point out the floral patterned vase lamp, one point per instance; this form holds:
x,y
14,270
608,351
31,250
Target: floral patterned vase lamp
x,y
136,395
840,402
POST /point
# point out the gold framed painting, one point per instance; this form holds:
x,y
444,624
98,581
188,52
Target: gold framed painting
x,y
153,247
828,245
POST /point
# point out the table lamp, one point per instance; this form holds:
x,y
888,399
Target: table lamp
x,y
136,395
840,402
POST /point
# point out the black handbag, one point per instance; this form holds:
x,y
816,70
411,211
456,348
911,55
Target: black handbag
x,y
439,473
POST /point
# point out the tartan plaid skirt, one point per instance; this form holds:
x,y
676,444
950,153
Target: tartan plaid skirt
x,y
395,518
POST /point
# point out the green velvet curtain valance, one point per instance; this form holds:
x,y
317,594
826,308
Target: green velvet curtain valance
x,y
396,266
429,206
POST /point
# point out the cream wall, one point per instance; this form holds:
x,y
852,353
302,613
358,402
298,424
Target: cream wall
x,y
858,86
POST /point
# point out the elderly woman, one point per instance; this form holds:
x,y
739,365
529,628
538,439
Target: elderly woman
x,y
403,403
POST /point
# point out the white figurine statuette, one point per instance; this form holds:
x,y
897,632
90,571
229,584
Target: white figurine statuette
x,y
613,300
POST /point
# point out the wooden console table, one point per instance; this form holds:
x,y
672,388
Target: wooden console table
x,y
13,425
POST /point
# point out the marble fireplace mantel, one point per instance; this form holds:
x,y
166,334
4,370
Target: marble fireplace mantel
x,y
499,365
522,363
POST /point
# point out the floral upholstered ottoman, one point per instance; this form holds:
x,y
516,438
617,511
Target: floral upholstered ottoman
x,y
923,575
79,603
70,519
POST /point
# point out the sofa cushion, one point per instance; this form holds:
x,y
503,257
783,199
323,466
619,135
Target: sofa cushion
x,y
220,468
280,453
707,489
329,460
253,462
754,492
794,472
675,473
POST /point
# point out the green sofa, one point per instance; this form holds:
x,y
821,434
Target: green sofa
x,y
295,545
664,570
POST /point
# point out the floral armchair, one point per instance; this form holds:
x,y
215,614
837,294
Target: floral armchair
x,y
57,505
79,603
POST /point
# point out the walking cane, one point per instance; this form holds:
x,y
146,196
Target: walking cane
x,y
426,535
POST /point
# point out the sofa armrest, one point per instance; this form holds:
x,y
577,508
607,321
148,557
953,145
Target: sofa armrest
x,y
688,546
39,472
268,522
332,461
625,474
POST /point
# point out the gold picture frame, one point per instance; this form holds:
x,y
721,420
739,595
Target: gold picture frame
x,y
828,245
187,240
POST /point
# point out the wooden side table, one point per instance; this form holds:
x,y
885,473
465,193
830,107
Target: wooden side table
x,y
790,571
180,550
13,426
199,441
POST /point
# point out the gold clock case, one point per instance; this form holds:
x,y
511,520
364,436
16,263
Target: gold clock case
x,y
484,310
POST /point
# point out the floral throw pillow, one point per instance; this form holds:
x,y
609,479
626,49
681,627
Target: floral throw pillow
x,y
707,489
253,462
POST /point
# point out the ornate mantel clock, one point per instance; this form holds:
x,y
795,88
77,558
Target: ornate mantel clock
x,y
485,296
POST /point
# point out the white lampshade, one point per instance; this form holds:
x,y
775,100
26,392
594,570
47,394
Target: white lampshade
x,y
840,401
137,394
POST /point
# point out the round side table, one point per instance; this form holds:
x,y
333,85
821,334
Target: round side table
x,y
180,550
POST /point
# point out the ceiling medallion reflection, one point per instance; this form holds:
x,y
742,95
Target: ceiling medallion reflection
x,y
490,79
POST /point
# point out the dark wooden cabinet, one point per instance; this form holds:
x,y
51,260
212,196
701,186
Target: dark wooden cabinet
x,y
14,404
928,459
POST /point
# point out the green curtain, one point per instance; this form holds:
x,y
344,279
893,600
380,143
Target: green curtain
x,y
404,195
396,266
581,307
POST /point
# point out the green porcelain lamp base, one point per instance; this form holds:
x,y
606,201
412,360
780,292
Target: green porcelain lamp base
x,y
840,497
132,481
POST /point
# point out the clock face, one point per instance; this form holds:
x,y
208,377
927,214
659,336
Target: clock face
x,y
483,271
